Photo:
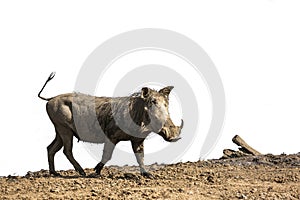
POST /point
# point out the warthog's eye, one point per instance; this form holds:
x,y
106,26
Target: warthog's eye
x,y
154,101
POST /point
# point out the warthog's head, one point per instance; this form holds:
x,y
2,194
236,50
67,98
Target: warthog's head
x,y
157,107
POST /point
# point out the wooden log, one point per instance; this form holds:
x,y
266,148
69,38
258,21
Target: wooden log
x,y
244,146
228,153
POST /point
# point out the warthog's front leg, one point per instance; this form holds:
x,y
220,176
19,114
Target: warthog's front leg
x,y
107,153
138,149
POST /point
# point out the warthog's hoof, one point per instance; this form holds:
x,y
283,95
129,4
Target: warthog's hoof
x,y
54,173
82,173
98,168
147,175
94,175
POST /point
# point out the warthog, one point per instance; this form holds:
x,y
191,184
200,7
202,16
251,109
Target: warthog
x,y
109,120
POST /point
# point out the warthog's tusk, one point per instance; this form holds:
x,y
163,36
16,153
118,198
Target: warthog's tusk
x,y
181,126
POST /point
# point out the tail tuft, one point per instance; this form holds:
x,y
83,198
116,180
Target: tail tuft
x,y
51,76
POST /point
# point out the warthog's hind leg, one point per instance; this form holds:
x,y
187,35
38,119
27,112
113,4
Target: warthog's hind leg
x,y
67,139
52,149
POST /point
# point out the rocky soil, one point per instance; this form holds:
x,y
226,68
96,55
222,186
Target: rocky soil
x,y
251,177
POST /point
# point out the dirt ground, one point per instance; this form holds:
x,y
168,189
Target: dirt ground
x,y
253,177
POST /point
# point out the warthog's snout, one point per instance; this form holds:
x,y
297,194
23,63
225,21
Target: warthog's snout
x,y
170,132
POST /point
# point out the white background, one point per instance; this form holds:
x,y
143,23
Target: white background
x,y
255,46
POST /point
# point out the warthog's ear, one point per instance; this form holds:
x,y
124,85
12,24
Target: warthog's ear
x,y
166,90
145,92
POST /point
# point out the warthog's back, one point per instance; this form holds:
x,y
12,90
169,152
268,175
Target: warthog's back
x,y
91,118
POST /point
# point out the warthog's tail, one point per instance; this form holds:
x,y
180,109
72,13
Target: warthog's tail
x,y
49,79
